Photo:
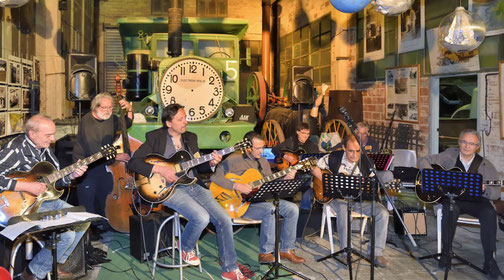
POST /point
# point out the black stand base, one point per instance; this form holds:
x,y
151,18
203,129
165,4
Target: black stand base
x,y
449,264
274,270
349,252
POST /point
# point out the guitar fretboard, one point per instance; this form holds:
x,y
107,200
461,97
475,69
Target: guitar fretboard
x,y
275,176
55,176
208,157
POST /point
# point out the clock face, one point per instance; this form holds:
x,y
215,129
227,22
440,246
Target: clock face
x,y
194,84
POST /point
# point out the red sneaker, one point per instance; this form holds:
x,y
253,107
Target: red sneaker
x,y
234,275
190,258
245,270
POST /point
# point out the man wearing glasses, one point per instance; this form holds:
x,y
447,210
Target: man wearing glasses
x,y
96,129
466,158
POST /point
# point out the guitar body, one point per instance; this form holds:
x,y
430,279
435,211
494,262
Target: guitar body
x,y
288,158
232,200
156,189
117,207
429,198
318,189
14,203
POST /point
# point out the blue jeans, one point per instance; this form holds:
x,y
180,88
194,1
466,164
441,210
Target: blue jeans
x,y
199,207
265,211
381,219
41,264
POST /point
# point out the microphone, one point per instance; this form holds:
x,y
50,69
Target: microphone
x,y
347,117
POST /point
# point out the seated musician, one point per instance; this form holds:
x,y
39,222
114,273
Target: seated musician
x,y
194,202
21,154
347,162
264,211
293,144
369,143
466,158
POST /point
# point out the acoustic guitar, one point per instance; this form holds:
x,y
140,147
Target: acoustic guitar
x,y
156,189
288,158
235,202
15,203
431,198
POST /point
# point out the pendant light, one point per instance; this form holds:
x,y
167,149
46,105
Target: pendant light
x,y
392,7
349,6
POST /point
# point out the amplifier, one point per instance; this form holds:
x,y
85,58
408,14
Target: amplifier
x,y
414,219
244,113
147,236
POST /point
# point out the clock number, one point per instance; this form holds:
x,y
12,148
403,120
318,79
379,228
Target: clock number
x,y
232,72
216,91
211,103
211,79
203,71
191,112
182,71
168,89
202,110
174,78
192,69
172,100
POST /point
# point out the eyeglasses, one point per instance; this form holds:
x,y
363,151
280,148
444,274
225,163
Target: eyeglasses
x,y
257,148
106,108
472,144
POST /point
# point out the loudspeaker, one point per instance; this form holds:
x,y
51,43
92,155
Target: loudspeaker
x,y
82,82
414,219
147,236
244,113
301,85
76,263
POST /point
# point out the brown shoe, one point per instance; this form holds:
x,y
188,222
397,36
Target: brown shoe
x,y
27,276
62,274
266,258
289,255
382,262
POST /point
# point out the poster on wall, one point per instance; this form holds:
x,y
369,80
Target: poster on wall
x,y
491,11
3,98
15,98
3,124
444,61
27,75
26,99
501,97
402,85
4,71
411,28
16,121
374,34
15,73
36,69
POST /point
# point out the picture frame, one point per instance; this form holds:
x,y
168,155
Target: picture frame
x,y
402,87
3,124
374,34
15,73
4,71
491,13
15,98
501,98
27,75
26,99
16,121
36,69
411,28
3,98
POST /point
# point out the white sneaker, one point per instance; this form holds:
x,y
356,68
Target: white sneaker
x,y
190,258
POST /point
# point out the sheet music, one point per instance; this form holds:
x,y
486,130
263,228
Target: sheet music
x,y
13,231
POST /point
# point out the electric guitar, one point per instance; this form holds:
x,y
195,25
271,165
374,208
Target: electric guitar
x,y
234,202
430,198
288,158
16,203
156,189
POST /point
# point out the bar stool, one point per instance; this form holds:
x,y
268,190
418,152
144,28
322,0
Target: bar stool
x,y
176,232
29,251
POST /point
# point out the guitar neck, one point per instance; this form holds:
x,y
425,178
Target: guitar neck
x,y
274,176
55,176
208,157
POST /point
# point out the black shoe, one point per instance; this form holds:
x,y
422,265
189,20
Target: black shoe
x,y
492,269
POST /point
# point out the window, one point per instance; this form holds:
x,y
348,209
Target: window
x,y
211,8
160,7
216,48
162,48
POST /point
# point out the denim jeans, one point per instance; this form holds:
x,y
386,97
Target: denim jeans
x,y
381,219
41,264
199,207
265,211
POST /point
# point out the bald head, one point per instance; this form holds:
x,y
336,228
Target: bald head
x,y
41,130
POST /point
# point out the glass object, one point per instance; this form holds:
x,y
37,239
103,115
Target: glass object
x,y
392,7
461,31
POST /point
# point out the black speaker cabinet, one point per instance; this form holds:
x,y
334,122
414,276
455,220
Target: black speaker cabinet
x,y
143,234
244,113
414,219
301,85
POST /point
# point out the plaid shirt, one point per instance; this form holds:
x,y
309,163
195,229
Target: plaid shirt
x,y
20,154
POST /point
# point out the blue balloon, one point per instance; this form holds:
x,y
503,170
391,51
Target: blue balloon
x,y
349,6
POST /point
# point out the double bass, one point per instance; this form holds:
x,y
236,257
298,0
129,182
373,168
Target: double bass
x,y
117,207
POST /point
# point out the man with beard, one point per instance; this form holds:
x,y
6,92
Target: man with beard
x,y
98,128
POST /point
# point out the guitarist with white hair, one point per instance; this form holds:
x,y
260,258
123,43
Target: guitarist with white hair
x,y
466,158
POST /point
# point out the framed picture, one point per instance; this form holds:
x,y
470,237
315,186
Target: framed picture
x,y
491,13
15,73
36,69
27,75
374,34
3,124
4,71
3,98
501,97
15,98
402,93
411,28
16,121
26,99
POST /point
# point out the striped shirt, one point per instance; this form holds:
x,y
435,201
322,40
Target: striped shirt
x,y
21,154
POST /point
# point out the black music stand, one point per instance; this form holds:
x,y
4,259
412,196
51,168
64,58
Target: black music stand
x,y
349,188
453,185
382,161
276,190
52,231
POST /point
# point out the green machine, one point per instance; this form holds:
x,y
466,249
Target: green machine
x,y
204,78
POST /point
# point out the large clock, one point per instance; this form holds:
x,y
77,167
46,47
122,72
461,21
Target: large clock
x,y
194,84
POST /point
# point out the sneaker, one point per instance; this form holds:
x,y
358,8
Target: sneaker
x,y
245,270
233,275
190,258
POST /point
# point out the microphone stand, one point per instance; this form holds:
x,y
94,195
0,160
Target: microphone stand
x,y
370,163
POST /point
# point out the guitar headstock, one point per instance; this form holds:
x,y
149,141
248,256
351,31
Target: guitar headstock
x,y
308,163
108,152
243,145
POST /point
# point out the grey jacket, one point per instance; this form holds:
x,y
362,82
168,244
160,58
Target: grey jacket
x,y
448,159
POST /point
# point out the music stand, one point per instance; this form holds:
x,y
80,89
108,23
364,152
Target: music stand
x,y
453,185
276,190
349,188
382,161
